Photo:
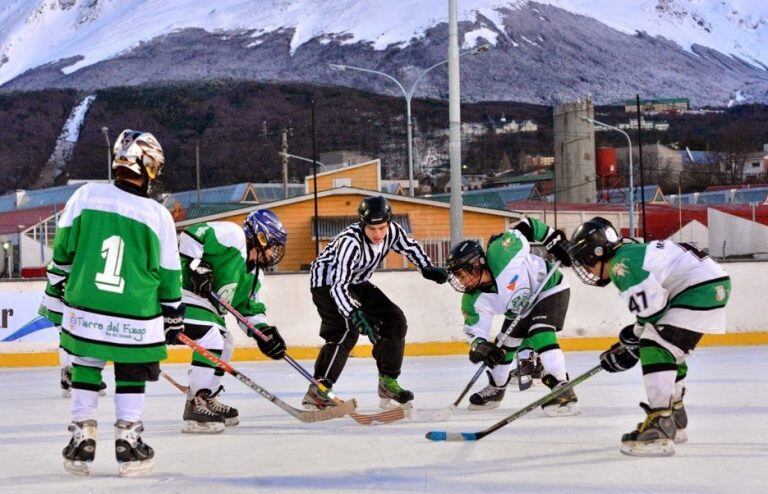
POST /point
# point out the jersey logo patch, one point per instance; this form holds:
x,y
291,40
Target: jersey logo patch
x,y
720,293
619,269
513,282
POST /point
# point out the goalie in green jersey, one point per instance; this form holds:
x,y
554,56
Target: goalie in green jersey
x,y
677,293
230,260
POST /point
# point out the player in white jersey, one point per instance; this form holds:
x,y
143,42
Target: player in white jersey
x,y
677,294
501,282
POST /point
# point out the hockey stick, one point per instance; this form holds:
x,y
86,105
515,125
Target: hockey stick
x,y
303,415
174,382
522,385
384,417
476,436
445,413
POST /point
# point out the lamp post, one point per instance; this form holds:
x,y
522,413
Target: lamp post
x,y
105,131
408,96
302,158
631,172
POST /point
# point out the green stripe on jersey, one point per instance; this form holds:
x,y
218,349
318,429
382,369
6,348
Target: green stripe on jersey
x,y
113,353
705,296
502,250
471,317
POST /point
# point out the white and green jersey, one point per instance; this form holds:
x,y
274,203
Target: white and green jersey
x,y
663,282
517,274
221,244
116,256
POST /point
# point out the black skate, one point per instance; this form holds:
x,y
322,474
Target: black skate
x,y
231,417
490,396
680,417
390,389
315,400
66,382
81,450
654,436
563,405
134,457
199,418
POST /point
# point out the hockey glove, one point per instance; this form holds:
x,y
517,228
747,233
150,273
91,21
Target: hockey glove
x,y
433,273
173,322
274,347
485,352
557,246
629,338
200,277
365,325
618,358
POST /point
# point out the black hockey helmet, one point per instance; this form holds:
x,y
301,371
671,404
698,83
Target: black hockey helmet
x,y
465,266
374,211
593,241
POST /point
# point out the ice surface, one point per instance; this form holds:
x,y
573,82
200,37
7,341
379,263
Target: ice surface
x,y
270,451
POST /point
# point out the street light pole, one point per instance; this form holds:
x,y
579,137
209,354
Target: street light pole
x,y
631,172
105,131
408,94
302,158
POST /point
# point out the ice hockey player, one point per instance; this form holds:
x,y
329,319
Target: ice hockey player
x,y
501,282
115,252
676,293
350,305
230,260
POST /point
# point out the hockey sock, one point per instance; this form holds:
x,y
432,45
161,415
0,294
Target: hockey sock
x,y
682,372
202,372
226,356
65,359
659,373
544,341
500,373
129,400
389,356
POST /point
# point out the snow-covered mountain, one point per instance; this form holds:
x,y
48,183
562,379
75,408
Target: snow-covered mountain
x,y
711,51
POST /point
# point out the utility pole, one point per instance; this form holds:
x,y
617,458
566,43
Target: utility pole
x,y
642,175
284,148
454,119
197,170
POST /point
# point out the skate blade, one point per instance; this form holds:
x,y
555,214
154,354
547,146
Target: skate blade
x,y
437,415
681,436
660,447
561,411
231,422
389,403
192,427
76,467
134,468
491,405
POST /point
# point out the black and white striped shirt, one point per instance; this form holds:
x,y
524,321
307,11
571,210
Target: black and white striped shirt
x,y
351,258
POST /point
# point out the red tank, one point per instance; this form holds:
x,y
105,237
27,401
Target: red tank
x,y
606,162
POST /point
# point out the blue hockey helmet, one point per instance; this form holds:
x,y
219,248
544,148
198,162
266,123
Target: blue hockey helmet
x,y
266,233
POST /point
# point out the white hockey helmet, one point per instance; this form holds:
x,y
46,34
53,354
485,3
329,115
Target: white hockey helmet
x,y
137,151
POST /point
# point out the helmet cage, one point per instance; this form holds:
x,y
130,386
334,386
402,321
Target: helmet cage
x,y
267,235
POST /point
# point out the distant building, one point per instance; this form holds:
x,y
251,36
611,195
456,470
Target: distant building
x,y
658,105
341,158
660,126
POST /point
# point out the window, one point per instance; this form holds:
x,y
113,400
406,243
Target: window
x,y
342,182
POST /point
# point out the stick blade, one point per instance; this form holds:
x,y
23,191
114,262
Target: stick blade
x,y
435,415
451,436
346,408
385,417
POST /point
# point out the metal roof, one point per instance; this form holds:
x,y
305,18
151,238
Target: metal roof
x,y
209,208
495,198
274,192
621,196
21,219
37,198
330,226
222,194
744,196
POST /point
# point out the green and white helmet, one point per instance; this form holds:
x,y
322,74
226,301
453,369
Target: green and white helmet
x,y
139,152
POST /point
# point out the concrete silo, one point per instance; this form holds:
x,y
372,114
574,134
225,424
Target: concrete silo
x,y
574,153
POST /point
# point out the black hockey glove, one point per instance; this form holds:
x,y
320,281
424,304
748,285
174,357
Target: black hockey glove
x,y
485,352
274,347
618,358
557,246
629,338
173,322
433,273
365,325
200,277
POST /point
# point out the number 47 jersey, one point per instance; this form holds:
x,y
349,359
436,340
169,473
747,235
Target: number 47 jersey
x,y
664,282
116,256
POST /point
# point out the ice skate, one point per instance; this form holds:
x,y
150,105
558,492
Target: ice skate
x,y
315,400
199,418
81,450
680,417
134,456
563,405
654,436
231,417
390,389
490,396
66,382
